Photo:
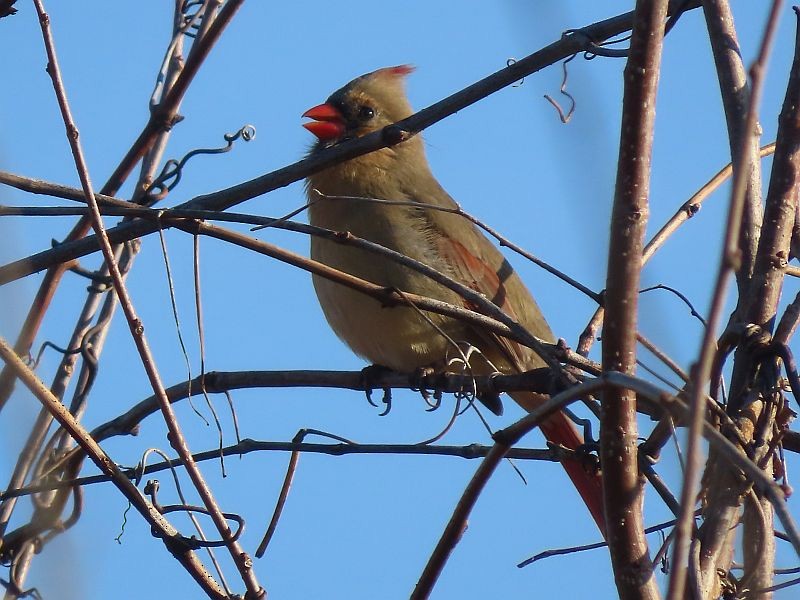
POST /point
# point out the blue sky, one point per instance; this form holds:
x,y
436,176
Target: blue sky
x,y
356,526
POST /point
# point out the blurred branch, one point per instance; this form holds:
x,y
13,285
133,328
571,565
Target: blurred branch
x,y
161,527
177,440
162,118
686,211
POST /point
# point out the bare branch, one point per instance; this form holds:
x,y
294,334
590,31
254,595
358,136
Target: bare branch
x,y
576,41
136,326
248,446
623,486
743,144
161,118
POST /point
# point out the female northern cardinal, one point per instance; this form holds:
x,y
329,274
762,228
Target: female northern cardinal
x,y
399,337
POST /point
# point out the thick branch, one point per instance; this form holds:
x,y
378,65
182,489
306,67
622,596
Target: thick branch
x,y
743,146
623,486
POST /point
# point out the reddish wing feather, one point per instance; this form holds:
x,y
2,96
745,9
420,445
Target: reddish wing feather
x,y
476,274
558,429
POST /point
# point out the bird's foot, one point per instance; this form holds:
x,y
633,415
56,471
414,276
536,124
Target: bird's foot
x,y
471,360
589,456
369,375
419,383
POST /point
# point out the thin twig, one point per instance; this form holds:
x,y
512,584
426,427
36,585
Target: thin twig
x,y
585,547
505,242
160,119
662,356
92,449
247,446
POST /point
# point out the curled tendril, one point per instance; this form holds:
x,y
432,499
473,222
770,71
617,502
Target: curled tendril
x,y
563,90
151,489
173,169
34,363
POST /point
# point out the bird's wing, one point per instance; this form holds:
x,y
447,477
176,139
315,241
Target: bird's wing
x,y
475,273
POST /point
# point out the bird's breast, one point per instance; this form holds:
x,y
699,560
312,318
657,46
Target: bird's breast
x,y
396,337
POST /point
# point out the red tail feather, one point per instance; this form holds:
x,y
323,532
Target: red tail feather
x,y
558,429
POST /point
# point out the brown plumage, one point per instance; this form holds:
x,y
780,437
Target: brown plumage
x,y
398,337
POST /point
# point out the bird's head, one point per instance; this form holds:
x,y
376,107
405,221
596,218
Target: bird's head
x,y
366,104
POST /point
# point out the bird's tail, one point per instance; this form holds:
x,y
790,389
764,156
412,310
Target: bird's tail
x,y
560,430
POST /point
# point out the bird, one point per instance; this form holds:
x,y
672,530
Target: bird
x,y
390,197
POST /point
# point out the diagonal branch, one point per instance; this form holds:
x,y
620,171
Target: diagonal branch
x,y
161,527
504,440
575,41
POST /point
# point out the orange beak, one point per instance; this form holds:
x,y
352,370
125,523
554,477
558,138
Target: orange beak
x,y
328,123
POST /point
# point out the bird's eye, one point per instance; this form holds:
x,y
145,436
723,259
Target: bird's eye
x,y
365,113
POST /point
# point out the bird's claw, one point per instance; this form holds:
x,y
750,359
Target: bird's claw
x,y
589,456
419,384
368,376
